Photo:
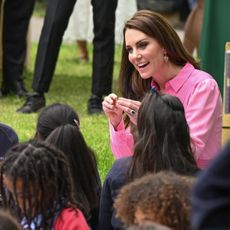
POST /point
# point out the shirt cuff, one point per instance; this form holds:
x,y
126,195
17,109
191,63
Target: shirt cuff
x,y
120,127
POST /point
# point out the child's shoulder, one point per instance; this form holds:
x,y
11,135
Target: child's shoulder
x,y
70,219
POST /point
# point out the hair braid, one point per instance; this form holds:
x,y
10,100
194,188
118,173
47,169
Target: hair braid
x,y
46,180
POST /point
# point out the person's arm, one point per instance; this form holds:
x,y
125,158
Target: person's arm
x,y
121,141
203,111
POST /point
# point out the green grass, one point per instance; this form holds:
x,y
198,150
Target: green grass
x,y
39,8
71,84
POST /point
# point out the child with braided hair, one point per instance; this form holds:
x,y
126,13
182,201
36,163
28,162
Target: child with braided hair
x,y
36,185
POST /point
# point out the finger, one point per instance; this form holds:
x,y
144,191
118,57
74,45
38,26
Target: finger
x,y
127,107
133,112
129,111
128,102
109,100
107,105
113,96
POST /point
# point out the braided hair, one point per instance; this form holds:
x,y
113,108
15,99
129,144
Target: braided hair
x,y
43,172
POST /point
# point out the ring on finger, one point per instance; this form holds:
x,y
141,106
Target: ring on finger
x,y
133,112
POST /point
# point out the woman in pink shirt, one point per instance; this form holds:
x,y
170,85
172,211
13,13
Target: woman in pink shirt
x,y
153,56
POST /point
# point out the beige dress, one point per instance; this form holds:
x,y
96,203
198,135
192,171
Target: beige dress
x,y
80,25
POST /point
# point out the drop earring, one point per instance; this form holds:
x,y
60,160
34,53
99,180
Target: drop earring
x,y
166,58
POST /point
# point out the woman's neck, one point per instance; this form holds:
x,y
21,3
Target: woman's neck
x,y
166,74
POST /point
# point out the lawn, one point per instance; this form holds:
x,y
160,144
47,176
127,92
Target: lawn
x,y
71,84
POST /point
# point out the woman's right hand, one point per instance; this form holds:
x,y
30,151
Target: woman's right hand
x,y
111,110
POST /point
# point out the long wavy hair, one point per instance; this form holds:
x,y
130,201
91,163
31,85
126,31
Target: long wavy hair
x,y
163,138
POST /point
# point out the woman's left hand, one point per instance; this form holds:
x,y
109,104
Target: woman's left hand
x,y
130,107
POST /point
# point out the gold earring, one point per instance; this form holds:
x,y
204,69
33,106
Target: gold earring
x,y
166,58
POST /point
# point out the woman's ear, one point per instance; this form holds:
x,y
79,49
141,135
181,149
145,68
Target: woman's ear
x,y
164,51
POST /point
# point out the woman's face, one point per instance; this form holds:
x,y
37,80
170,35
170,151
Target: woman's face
x,y
145,53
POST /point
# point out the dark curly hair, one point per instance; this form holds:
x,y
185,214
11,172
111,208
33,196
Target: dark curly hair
x,y
162,197
46,182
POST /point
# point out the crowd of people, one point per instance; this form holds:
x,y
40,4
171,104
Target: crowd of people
x,y
165,124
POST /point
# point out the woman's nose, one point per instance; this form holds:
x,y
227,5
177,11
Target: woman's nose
x,y
136,55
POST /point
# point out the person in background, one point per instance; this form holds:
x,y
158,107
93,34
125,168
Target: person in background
x,y
103,53
36,185
80,26
162,143
16,18
163,198
210,196
56,21
153,56
79,29
193,25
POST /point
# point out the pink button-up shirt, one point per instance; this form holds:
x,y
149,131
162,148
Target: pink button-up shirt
x,y
202,102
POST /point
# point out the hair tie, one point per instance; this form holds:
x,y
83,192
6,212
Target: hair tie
x,y
76,122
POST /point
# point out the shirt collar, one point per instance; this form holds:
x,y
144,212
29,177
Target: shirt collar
x,y
178,81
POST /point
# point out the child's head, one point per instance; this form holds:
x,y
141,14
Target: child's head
x,y
163,139
54,116
35,179
83,167
8,138
162,198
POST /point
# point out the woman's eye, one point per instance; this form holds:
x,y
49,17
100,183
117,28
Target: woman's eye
x,y
143,45
129,50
